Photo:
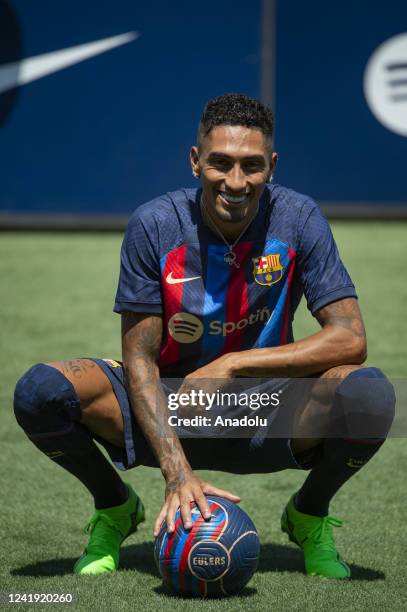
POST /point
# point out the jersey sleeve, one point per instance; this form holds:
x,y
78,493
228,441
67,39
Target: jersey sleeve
x,y
323,276
139,288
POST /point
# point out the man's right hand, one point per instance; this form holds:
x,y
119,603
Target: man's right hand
x,y
141,340
180,491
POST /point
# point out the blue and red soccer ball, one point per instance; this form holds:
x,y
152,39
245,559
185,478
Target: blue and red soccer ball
x,y
215,557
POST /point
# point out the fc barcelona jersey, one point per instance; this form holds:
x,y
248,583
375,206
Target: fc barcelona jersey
x,y
173,264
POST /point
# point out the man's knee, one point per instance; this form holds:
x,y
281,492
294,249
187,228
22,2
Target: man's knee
x,y
45,401
365,401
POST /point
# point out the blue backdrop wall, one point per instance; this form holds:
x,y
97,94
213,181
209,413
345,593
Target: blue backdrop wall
x,y
330,142
112,131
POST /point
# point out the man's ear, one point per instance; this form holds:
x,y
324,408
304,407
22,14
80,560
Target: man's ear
x,y
194,158
273,164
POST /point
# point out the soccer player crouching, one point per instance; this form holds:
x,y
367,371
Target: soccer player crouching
x,y
209,282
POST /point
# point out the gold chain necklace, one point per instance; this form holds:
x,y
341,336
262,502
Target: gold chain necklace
x,y
230,256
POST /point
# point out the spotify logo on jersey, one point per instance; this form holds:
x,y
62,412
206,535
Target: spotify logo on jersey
x,y
185,328
385,84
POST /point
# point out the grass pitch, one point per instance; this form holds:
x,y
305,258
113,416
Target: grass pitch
x,y
56,298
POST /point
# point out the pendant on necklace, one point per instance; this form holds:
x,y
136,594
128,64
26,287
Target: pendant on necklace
x,y
230,258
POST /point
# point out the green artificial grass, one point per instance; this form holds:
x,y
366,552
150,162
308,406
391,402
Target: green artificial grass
x,y
56,299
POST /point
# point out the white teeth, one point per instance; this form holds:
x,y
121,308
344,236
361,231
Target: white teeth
x,y
233,199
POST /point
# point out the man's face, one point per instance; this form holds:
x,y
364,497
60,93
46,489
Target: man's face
x,y
234,164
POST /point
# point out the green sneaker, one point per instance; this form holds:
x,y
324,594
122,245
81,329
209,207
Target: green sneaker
x,y
108,528
315,536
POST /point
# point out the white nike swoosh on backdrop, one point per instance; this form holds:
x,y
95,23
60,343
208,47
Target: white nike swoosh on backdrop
x,y
174,281
32,68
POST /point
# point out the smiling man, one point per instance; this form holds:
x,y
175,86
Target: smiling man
x,y
209,283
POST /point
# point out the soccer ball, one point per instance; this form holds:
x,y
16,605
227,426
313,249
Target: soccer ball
x,y
214,557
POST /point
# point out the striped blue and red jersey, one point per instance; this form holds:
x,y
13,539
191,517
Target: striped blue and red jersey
x,y
173,264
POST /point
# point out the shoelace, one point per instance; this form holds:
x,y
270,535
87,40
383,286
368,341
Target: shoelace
x,y
100,526
322,533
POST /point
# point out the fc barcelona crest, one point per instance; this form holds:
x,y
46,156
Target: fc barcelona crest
x,y
267,269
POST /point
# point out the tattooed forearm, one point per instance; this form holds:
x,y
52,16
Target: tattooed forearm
x,y
175,482
141,340
341,341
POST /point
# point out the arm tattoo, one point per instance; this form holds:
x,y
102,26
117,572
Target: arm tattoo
x,y
177,481
77,367
344,313
141,340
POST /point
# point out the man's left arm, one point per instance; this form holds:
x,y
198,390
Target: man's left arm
x,y
330,297
342,340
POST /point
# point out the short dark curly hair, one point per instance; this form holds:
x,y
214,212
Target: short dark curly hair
x,y
236,109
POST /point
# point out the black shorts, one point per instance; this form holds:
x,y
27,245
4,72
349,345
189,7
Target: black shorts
x,y
258,454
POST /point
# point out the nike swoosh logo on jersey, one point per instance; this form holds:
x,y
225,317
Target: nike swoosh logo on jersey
x,y
174,281
32,68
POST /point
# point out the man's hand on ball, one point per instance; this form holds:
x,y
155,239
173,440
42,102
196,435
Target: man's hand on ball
x,y
180,492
